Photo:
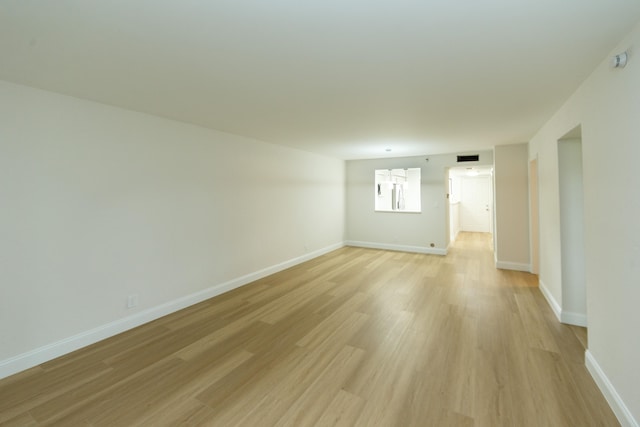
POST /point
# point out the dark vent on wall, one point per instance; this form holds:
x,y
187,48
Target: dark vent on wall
x,y
470,158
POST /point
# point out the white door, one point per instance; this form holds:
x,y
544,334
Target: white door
x,y
476,204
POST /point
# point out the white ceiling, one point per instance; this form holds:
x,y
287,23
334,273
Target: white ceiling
x,y
345,78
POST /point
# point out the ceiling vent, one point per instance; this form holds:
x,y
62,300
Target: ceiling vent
x,y
469,158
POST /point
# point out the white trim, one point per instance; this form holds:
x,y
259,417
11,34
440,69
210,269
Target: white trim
x,y
610,394
506,265
570,318
557,310
401,248
396,211
48,352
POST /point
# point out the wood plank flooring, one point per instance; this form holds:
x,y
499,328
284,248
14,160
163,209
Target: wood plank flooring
x,y
358,337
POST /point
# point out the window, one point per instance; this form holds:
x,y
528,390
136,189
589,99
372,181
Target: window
x,y
397,190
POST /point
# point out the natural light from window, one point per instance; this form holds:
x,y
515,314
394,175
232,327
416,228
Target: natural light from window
x,y
397,190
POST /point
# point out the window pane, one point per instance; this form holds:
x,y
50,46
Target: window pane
x,y
397,190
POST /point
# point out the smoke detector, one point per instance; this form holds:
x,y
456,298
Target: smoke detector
x,y
619,61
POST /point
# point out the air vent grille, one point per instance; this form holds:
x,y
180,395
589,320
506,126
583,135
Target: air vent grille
x,y
469,158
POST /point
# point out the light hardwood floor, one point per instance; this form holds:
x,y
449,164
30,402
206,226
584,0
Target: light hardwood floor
x,y
357,337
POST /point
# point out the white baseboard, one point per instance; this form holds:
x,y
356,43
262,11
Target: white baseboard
x,y
610,394
557,310
563,316
48,352
401,248
506,265
570,318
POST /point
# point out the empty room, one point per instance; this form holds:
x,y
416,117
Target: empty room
x,y
289,213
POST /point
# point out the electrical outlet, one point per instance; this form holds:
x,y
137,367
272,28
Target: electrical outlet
x,y
132,301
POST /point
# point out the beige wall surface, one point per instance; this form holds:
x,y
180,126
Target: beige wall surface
x,y
99,203
607,107
512,206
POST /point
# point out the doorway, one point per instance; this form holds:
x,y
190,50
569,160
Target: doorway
x,y
574,290
471,200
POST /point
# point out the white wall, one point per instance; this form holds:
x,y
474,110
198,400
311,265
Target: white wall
x,y
456,187
607,106
574,294
454,220
455,192
412,196
99,203
403,231
511,207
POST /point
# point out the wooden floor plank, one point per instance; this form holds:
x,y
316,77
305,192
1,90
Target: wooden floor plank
x,y
354,337
343,411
